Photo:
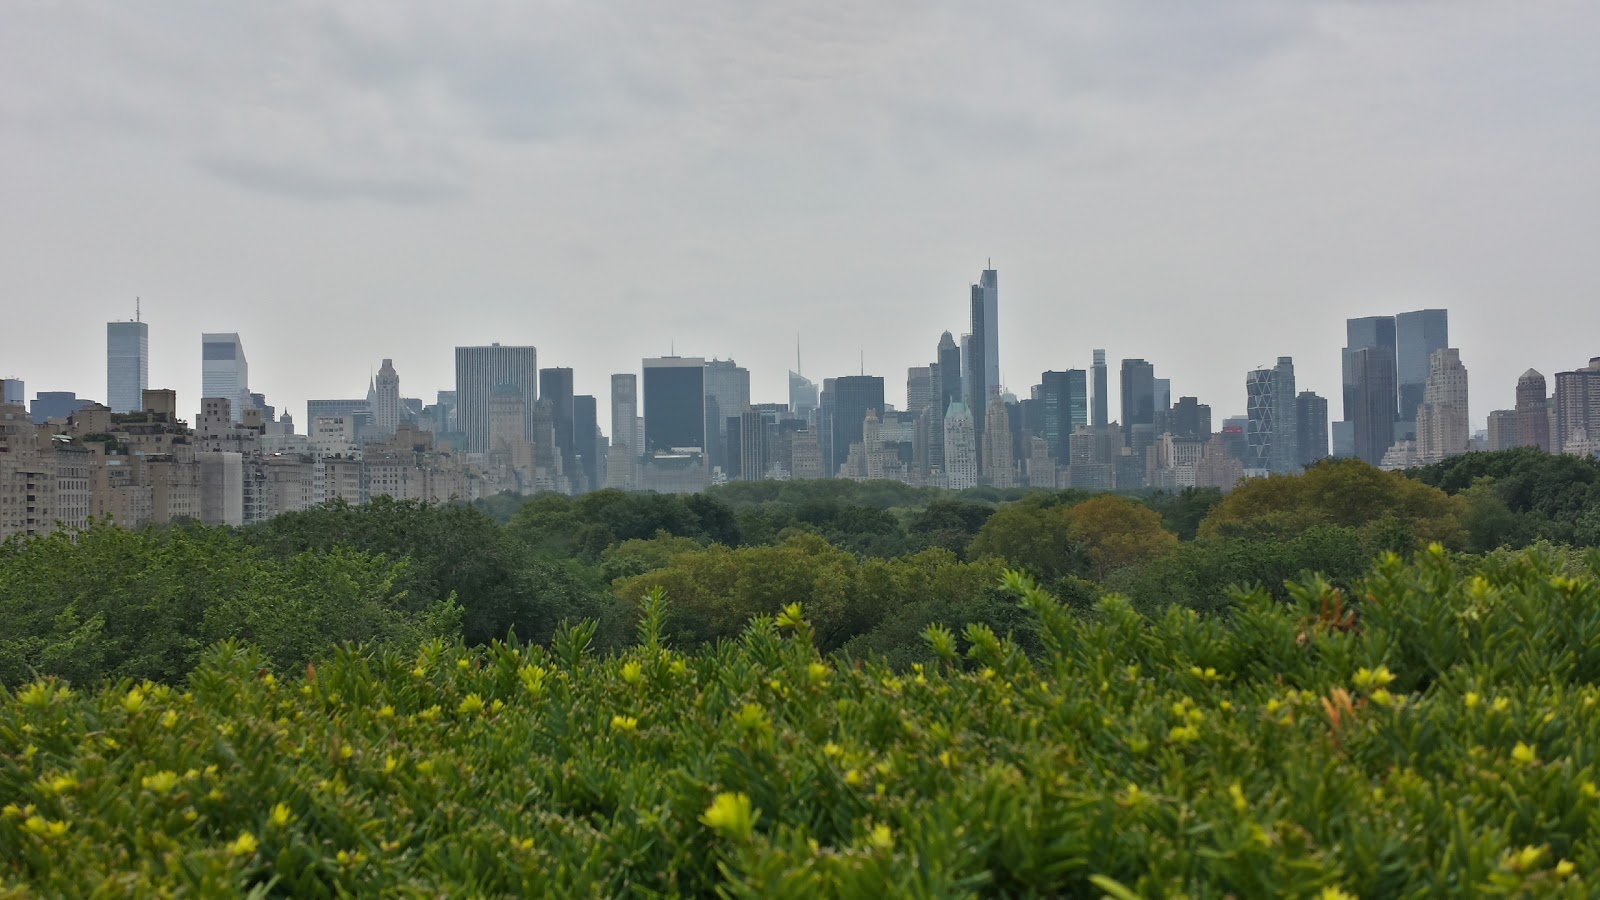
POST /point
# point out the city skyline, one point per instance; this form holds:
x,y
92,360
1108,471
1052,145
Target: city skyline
x,y
1183,186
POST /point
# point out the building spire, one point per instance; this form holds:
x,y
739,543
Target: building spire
x,y
797,369
136,313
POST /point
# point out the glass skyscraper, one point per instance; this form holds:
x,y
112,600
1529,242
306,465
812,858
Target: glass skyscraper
x,y
1417,336
127,365
674,403
224,372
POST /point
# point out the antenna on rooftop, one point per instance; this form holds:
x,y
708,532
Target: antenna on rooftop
x,y
863,361
797,369
136,310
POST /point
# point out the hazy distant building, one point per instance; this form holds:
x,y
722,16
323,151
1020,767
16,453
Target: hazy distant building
x,y
1577,407
1442,427
1502,430
224,371
675,406
623,461
586,440
1311,418
1368,332
127,365
1374,400
1190,418
727,394
802,396
1138,395
1533,411
1273,430
479,370
960,448
13,392
1418,335
999,467
386,400
1102,405
921,392
49,405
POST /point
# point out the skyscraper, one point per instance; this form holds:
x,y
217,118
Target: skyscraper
x,y
479,370
999,468
1311,414
960,448
586,441
1138,394
1533,411
386,400
1370,331
1191,419
1102,402
853,396
921,392
1273,432
675,404
1374,401
1418,335
555,385
802,396
224,372
982,353
727,394
1441,421
1065,400
623,460
127,365
1577,401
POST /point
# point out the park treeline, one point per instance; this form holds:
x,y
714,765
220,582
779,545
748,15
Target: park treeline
x,y
874,563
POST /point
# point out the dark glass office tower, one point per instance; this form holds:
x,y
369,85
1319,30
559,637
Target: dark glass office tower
x,y
674,403
1373,372
1371,331
1138,394
1065,400
555,385
853,395
586,439
1312,419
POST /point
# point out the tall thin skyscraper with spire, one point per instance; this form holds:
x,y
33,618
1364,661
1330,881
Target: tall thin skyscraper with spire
x,y
1102,405
983,367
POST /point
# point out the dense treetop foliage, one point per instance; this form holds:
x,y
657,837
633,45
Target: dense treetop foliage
x,y
876,562
1429,732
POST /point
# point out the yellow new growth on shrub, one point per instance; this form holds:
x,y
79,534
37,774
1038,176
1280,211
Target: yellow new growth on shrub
x,y
1414,750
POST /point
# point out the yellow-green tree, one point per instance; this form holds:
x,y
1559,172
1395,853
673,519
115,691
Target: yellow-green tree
x,y
1344,492
1118,532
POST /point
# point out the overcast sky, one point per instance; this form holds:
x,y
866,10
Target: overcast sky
x,y
1205,185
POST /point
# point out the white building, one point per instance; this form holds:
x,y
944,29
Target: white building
x,y
960,448
1442,427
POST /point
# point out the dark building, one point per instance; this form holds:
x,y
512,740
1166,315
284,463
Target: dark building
x,y
49,405
586,439
1138,394
1102,402
1533,411
1064,402
555,385
853,395
1371,331
825,408
1375,399
1311,417
674,403
1191,419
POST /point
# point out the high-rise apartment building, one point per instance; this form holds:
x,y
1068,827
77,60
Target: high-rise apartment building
x,y
1418,335
982,353
1374,401
386,400
675,404
1533,411
1138,394
1102,398
479,370
224,372
921,392
998,456
1577,402
853,396
1502,433
960,448
556,386
1311,417
1442,429
127,365
1190,419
